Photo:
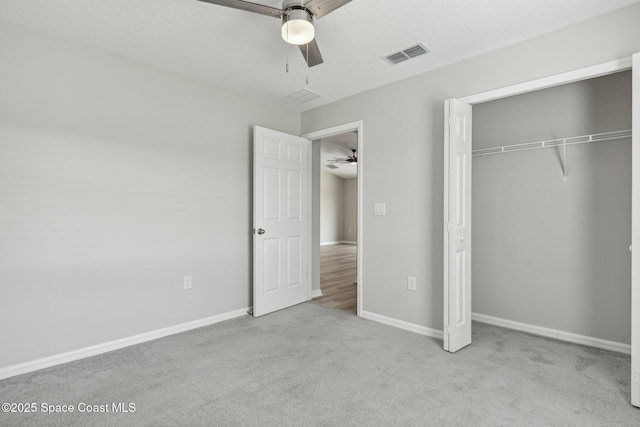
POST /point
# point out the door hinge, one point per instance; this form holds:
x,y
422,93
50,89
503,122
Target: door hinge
x,y
448,330
636,377
449,226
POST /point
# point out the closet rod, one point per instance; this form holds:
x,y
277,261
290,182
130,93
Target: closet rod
x,y
562,142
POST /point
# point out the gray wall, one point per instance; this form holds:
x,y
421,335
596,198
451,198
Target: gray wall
x,y
350,210
116,180
407,117
331,208
338,208
547,252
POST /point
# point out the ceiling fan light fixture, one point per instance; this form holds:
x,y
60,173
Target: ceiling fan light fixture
x,y
297,27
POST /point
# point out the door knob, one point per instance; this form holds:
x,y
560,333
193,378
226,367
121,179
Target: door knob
x,y
461,238
261,231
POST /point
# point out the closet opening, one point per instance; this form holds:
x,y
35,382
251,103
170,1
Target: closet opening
x,y
595,214
551,186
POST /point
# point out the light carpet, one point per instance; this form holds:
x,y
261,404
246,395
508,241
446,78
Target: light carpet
x,y
310,365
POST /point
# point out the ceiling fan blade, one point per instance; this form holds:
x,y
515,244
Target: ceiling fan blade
x,y
320,8
247,6
311,53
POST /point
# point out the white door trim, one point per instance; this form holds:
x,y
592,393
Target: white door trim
x,y
635,235
550,81
326,133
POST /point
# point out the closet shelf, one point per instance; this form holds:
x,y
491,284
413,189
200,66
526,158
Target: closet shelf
x,y
561,143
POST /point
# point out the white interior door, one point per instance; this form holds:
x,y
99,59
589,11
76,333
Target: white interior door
x,y
281,187
635,241
457,230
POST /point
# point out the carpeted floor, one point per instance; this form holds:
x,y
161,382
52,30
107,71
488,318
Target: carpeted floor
x,y
310,365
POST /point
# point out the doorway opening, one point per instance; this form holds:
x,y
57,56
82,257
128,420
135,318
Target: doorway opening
x,y
336,218
338,221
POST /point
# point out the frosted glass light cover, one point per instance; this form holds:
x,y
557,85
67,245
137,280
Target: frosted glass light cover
x,y
298,31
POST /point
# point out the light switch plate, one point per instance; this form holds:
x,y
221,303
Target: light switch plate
x,y
411,283
379,209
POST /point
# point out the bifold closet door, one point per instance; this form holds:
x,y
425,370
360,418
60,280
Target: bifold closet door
x,y
457,230
635,241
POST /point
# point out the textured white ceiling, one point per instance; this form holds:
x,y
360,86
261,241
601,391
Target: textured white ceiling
x,y
244,52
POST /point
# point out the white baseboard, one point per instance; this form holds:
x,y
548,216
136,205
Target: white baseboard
x,y
315,293
339,242
95,350
552,333
401,324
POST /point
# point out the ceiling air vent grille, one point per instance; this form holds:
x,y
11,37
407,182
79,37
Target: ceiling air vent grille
x,y
397,58
406,54
332,166
303,95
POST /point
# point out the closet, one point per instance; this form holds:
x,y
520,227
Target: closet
x,y
552,208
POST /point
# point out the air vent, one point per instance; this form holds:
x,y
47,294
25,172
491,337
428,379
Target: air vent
x,y
397,58
303,95
332,166
406,54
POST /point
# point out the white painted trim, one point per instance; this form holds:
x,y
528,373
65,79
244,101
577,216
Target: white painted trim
x,y
315,293
325,133
401,324
635,234
553,333
106,347
309,217
551,81
339,242
335,130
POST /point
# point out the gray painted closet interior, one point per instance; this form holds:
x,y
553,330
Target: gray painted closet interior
x,y
547,252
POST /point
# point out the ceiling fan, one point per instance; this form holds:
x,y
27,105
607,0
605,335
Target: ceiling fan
x,y
297,20
350,160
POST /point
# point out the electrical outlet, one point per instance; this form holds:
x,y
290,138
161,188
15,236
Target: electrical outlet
x,y
411,283
187,282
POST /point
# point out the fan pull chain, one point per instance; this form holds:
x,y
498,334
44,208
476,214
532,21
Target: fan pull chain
x,y
286,51
307,46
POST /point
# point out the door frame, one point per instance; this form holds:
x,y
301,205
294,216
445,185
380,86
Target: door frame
x,y
326,133
570,77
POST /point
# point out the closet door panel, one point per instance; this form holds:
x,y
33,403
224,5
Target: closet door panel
x,y
457,235
635,224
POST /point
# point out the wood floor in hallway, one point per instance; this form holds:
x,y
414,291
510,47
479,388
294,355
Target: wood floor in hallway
x,y
338,275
